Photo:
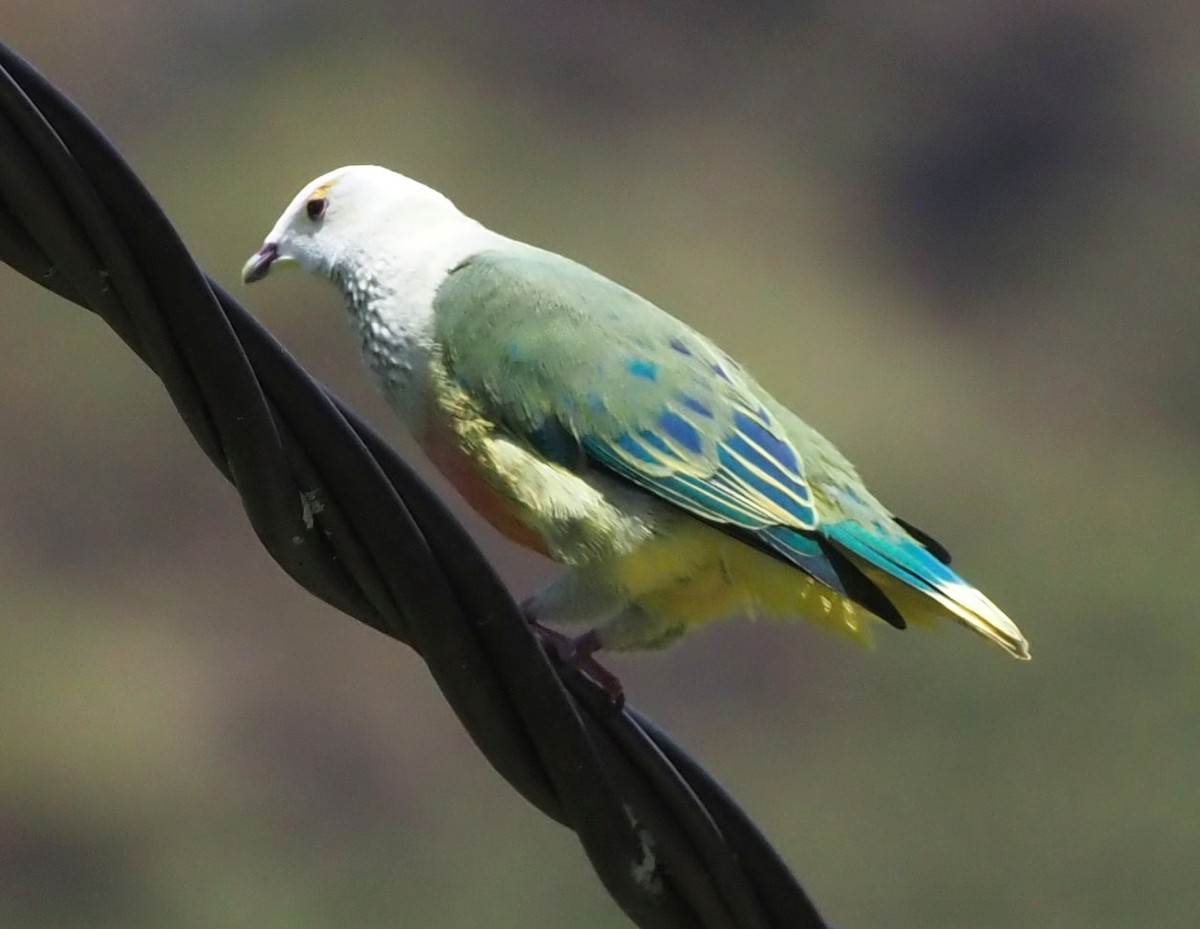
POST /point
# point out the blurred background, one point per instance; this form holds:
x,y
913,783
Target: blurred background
x,y
959,238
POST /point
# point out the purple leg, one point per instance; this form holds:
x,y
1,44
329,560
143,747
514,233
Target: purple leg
x,y
578,652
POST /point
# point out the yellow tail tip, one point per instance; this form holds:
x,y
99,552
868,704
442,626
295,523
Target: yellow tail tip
x,y
977,612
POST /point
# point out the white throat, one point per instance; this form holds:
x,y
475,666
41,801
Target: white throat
x,y
389,293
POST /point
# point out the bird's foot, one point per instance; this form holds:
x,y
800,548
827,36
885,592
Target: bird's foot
x,y
579,652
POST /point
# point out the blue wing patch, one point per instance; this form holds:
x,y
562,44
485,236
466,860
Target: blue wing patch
x,y
723,496
678,430
754,480
643,368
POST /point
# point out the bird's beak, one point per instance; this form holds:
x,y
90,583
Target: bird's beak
x,y
260,263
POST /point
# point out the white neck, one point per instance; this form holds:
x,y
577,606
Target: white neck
x,y
389,293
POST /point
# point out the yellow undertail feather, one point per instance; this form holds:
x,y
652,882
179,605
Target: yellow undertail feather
x,y
700,574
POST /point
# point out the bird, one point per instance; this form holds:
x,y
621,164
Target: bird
x,y
589,425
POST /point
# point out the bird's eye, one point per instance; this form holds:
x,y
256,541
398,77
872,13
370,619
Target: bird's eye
x,y
315,208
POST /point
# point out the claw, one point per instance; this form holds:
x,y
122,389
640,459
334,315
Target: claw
x,y
578,652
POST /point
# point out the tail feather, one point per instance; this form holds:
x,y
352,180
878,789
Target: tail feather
x,y
832,567
887,559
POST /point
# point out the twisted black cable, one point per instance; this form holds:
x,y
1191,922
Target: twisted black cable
x,y
351,522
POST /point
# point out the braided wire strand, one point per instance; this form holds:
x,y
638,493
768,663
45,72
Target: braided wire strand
x,y
352,523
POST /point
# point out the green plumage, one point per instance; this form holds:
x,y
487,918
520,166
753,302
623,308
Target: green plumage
x,y
586,375
586,423
538,339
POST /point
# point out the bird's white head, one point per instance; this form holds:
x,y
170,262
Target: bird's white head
x,y
341,215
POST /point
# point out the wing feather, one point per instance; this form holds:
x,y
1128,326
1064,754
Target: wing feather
x,y
549,348
587,374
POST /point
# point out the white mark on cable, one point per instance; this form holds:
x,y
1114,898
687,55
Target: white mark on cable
x,y
645,870
310,506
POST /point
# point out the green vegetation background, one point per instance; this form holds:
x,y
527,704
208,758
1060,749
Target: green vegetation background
x,y
961,240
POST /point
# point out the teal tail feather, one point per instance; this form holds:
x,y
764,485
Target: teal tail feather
x,y
816,556
897,561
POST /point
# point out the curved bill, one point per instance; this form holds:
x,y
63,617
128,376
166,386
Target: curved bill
x,y
260,263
